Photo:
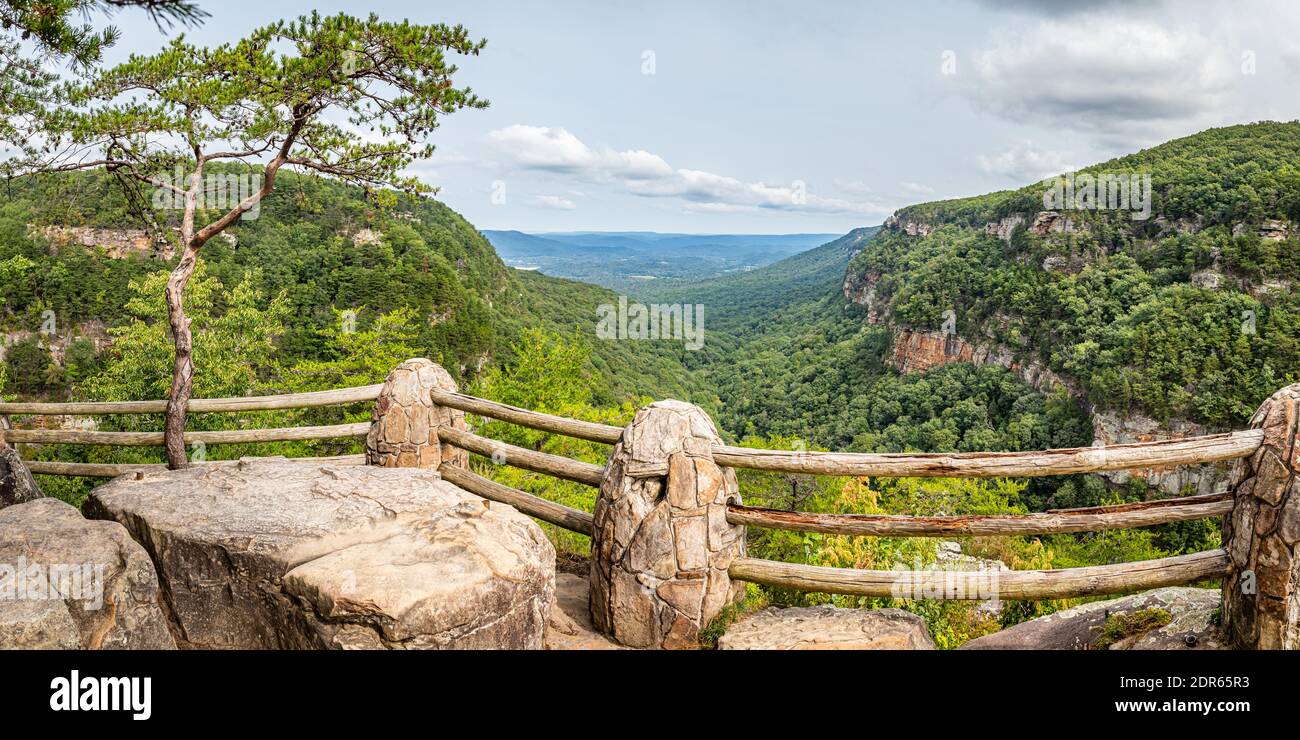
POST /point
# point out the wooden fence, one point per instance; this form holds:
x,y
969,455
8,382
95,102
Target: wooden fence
x,y
1253,629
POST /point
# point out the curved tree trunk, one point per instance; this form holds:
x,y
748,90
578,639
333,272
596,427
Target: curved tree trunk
x,y
183,365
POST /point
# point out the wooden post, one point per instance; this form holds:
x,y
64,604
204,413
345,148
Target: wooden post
x,y
1261,592
661,543
404,424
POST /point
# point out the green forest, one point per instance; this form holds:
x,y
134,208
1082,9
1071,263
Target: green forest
x,y
1189,314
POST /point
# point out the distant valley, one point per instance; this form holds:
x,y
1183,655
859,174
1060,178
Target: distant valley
x,y
629,261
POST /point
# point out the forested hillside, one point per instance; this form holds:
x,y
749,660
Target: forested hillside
x,y
71,245
1188,314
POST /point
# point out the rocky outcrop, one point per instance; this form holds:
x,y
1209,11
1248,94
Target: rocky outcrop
x,y
1054,222
908,226
17,486
1003,228
860,288
366,238
58,342
569,626
1111,428
118,243
1183,620
70,583
1273,229
828,628
273,554
917,351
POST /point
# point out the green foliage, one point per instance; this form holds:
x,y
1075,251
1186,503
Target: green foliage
x,y
238,329
1121,626
547,375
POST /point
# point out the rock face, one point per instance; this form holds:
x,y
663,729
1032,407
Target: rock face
x,y
70,583
1110,428
1080,628
661,543
273,554
17,486
1004,228
828,628
119,243
569,626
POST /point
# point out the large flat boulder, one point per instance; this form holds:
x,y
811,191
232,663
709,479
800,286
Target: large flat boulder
x,y
1179,618
274,554
67,583
828,628
17,486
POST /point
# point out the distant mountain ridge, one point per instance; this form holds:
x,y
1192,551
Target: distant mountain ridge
x,y
625,260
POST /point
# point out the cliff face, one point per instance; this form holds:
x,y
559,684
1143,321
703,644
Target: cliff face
x,y
917,350
119,243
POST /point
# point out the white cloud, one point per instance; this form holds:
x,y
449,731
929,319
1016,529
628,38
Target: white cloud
x,y
556,202
557,150
1127,81
916,188
1024,163
648,175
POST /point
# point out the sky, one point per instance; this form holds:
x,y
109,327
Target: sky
x,y
781,117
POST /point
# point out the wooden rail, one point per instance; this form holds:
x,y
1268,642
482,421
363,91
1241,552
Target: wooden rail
x,y
519,457
557,514
1031,585
112,470
154,439
201,405
1006,584
1166,453
1051,522
587,430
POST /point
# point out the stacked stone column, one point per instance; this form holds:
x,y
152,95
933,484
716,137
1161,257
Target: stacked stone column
x,y
404,424
661,543
1261,592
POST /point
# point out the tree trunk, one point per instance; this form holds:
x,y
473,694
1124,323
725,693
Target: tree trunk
x,y
183,366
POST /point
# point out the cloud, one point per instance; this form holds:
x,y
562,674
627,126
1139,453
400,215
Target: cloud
x,y
557,150
916,188
555,202
644,174
1057,7
1025,162
1126,81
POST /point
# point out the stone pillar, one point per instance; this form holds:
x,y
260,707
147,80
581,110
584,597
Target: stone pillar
x,y
403,427
1261,592
661,543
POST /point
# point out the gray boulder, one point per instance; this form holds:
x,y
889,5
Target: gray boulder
x,y
68,582
17,486
828,628
1179,618
274,554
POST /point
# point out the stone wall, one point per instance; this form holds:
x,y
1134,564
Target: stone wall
x,y
405,420
1261,592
